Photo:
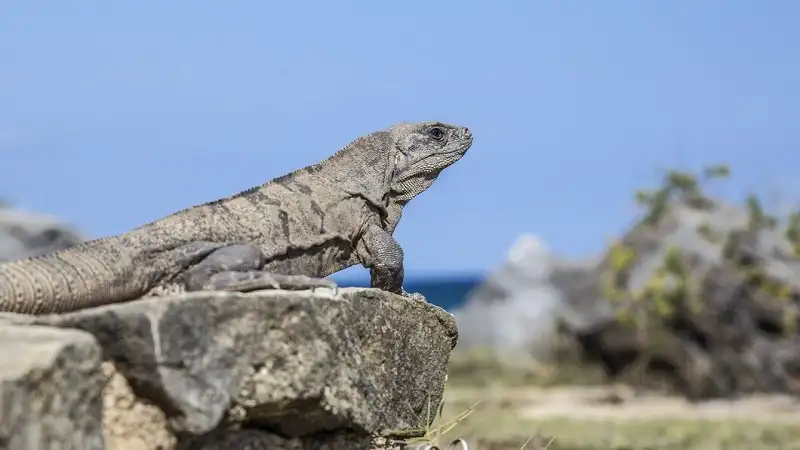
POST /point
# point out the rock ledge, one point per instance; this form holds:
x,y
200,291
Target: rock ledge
x,y
207,370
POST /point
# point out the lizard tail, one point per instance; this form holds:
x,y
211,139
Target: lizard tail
x,y
85,275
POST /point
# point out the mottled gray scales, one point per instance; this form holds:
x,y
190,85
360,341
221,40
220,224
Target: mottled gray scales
x,y
81,276
287,233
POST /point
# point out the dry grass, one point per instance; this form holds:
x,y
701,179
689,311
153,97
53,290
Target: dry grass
x,y
500,423
525,403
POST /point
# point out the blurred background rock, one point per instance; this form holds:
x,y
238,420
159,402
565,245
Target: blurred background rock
x,y
26,233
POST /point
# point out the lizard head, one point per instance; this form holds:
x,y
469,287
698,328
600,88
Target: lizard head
x,y
421,151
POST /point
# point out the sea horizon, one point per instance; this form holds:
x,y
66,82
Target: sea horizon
x,y
446,291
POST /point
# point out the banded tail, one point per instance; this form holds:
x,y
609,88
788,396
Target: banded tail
x,y
88,274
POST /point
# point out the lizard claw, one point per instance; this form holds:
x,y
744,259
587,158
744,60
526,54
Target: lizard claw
x,y
412,295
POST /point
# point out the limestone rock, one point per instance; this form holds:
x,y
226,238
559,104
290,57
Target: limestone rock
x,y
299,363
50,386
130,422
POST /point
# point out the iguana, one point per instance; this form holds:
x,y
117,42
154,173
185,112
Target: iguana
x,y
288,233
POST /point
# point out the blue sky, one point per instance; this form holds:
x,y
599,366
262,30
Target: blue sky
x,y
113,114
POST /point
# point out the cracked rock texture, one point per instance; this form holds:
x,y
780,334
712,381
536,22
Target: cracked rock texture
x,y
50,388
208,370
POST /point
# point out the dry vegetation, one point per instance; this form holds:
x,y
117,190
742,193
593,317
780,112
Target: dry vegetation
x,y
505,406
501,423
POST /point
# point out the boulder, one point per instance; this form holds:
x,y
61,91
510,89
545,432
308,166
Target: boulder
x,y
269,369
703,295
51,388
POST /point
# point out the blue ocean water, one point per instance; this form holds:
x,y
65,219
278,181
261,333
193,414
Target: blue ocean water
x,y
446,292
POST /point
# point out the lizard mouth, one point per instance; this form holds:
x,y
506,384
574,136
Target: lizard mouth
x,y
462,150
459,151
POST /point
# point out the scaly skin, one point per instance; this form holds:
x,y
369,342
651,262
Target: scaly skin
x,y
288,233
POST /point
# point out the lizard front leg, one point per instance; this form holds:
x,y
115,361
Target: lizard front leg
x,y
237,267
381,253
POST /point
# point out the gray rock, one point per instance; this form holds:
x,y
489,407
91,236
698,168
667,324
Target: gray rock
x,y
51,389
517,307
299,363
25,234
727,336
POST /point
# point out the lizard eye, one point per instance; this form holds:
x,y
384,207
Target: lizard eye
x,y
437,133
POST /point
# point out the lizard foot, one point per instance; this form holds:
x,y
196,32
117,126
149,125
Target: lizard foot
x,y
255,280
412,295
